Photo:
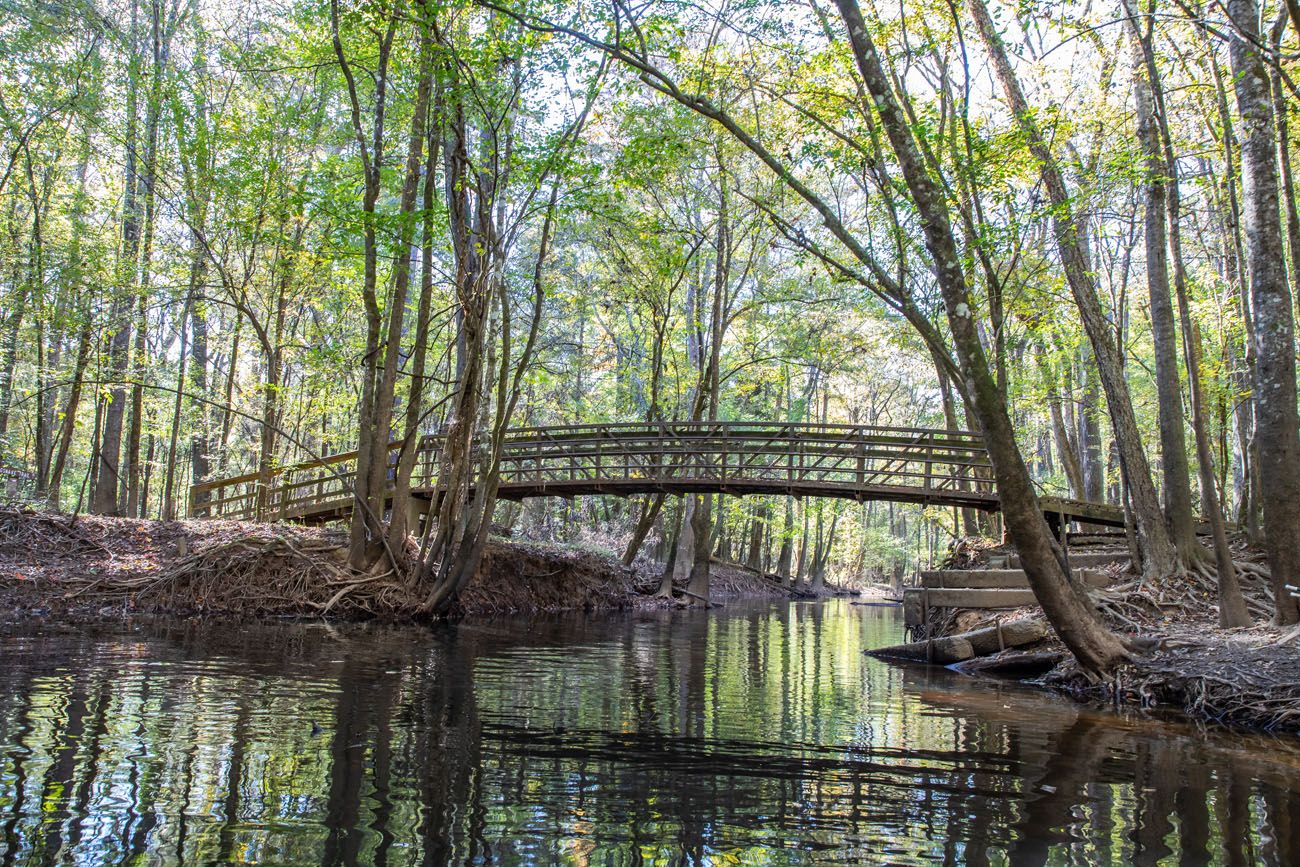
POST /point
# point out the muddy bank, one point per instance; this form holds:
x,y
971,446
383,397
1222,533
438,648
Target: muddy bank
x,y
89,567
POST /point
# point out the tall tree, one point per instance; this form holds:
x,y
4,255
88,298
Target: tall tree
x,y
1158,552
1274,371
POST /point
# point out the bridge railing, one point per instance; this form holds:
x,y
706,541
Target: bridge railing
x,y
620,458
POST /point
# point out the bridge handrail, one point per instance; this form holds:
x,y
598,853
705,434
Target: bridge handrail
x,y
617,446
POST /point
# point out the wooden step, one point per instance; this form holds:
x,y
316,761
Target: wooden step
x,y
916,599
1004,579
1080,559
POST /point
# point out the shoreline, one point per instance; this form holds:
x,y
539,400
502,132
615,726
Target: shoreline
x,y
87,568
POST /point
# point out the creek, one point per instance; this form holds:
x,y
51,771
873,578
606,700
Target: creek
x,y
756,733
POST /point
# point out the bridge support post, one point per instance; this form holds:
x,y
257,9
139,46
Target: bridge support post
x,y
417,510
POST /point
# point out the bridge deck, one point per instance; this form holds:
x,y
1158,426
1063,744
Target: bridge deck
x,y
913,465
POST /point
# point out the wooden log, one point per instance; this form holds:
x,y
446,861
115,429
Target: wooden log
x,y
967,645
942,651
1013,663
1015,633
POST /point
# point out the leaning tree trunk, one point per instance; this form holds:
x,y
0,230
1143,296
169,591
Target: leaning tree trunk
x,y
1064,602
1274,385
1159,556
650,509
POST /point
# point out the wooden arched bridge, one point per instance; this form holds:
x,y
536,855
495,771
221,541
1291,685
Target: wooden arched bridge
x,y
910,465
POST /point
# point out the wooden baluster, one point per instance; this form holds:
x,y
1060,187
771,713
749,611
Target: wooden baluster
x,y
660,472
722,463
862,460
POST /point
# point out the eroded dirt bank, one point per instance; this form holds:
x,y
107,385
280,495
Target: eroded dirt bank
x,y
90,567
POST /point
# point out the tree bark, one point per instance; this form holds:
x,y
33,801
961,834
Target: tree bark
x,y
1065,603
1164,330
1163,160
1159,556
1274,385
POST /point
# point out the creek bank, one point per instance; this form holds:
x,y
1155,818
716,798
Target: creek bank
x,y
87,568
1182,661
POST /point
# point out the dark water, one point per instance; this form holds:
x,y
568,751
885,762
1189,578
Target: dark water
x,y
759,735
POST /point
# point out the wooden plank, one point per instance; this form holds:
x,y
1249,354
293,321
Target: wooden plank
x,y
999,578
1078,510
1083,559
969,598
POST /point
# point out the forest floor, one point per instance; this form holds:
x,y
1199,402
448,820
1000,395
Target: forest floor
x,y
1247,677
90,568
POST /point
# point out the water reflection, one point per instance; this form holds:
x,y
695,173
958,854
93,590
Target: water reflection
x,y
759,736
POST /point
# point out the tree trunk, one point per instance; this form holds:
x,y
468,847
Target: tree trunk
x,y
160,42
1090,444
1064,602
168,512
650,508
431,130
670,567
754,555
9,355
1159,556
1284,146
1066,446
1232,606
1164,331
1234,268
701,526
684,549
1274,391
366,529
68,426
104,496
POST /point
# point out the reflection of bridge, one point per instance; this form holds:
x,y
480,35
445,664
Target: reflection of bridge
x,y
909,465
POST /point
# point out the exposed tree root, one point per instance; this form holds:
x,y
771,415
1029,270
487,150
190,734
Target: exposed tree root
x,y
1242,677
52,562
